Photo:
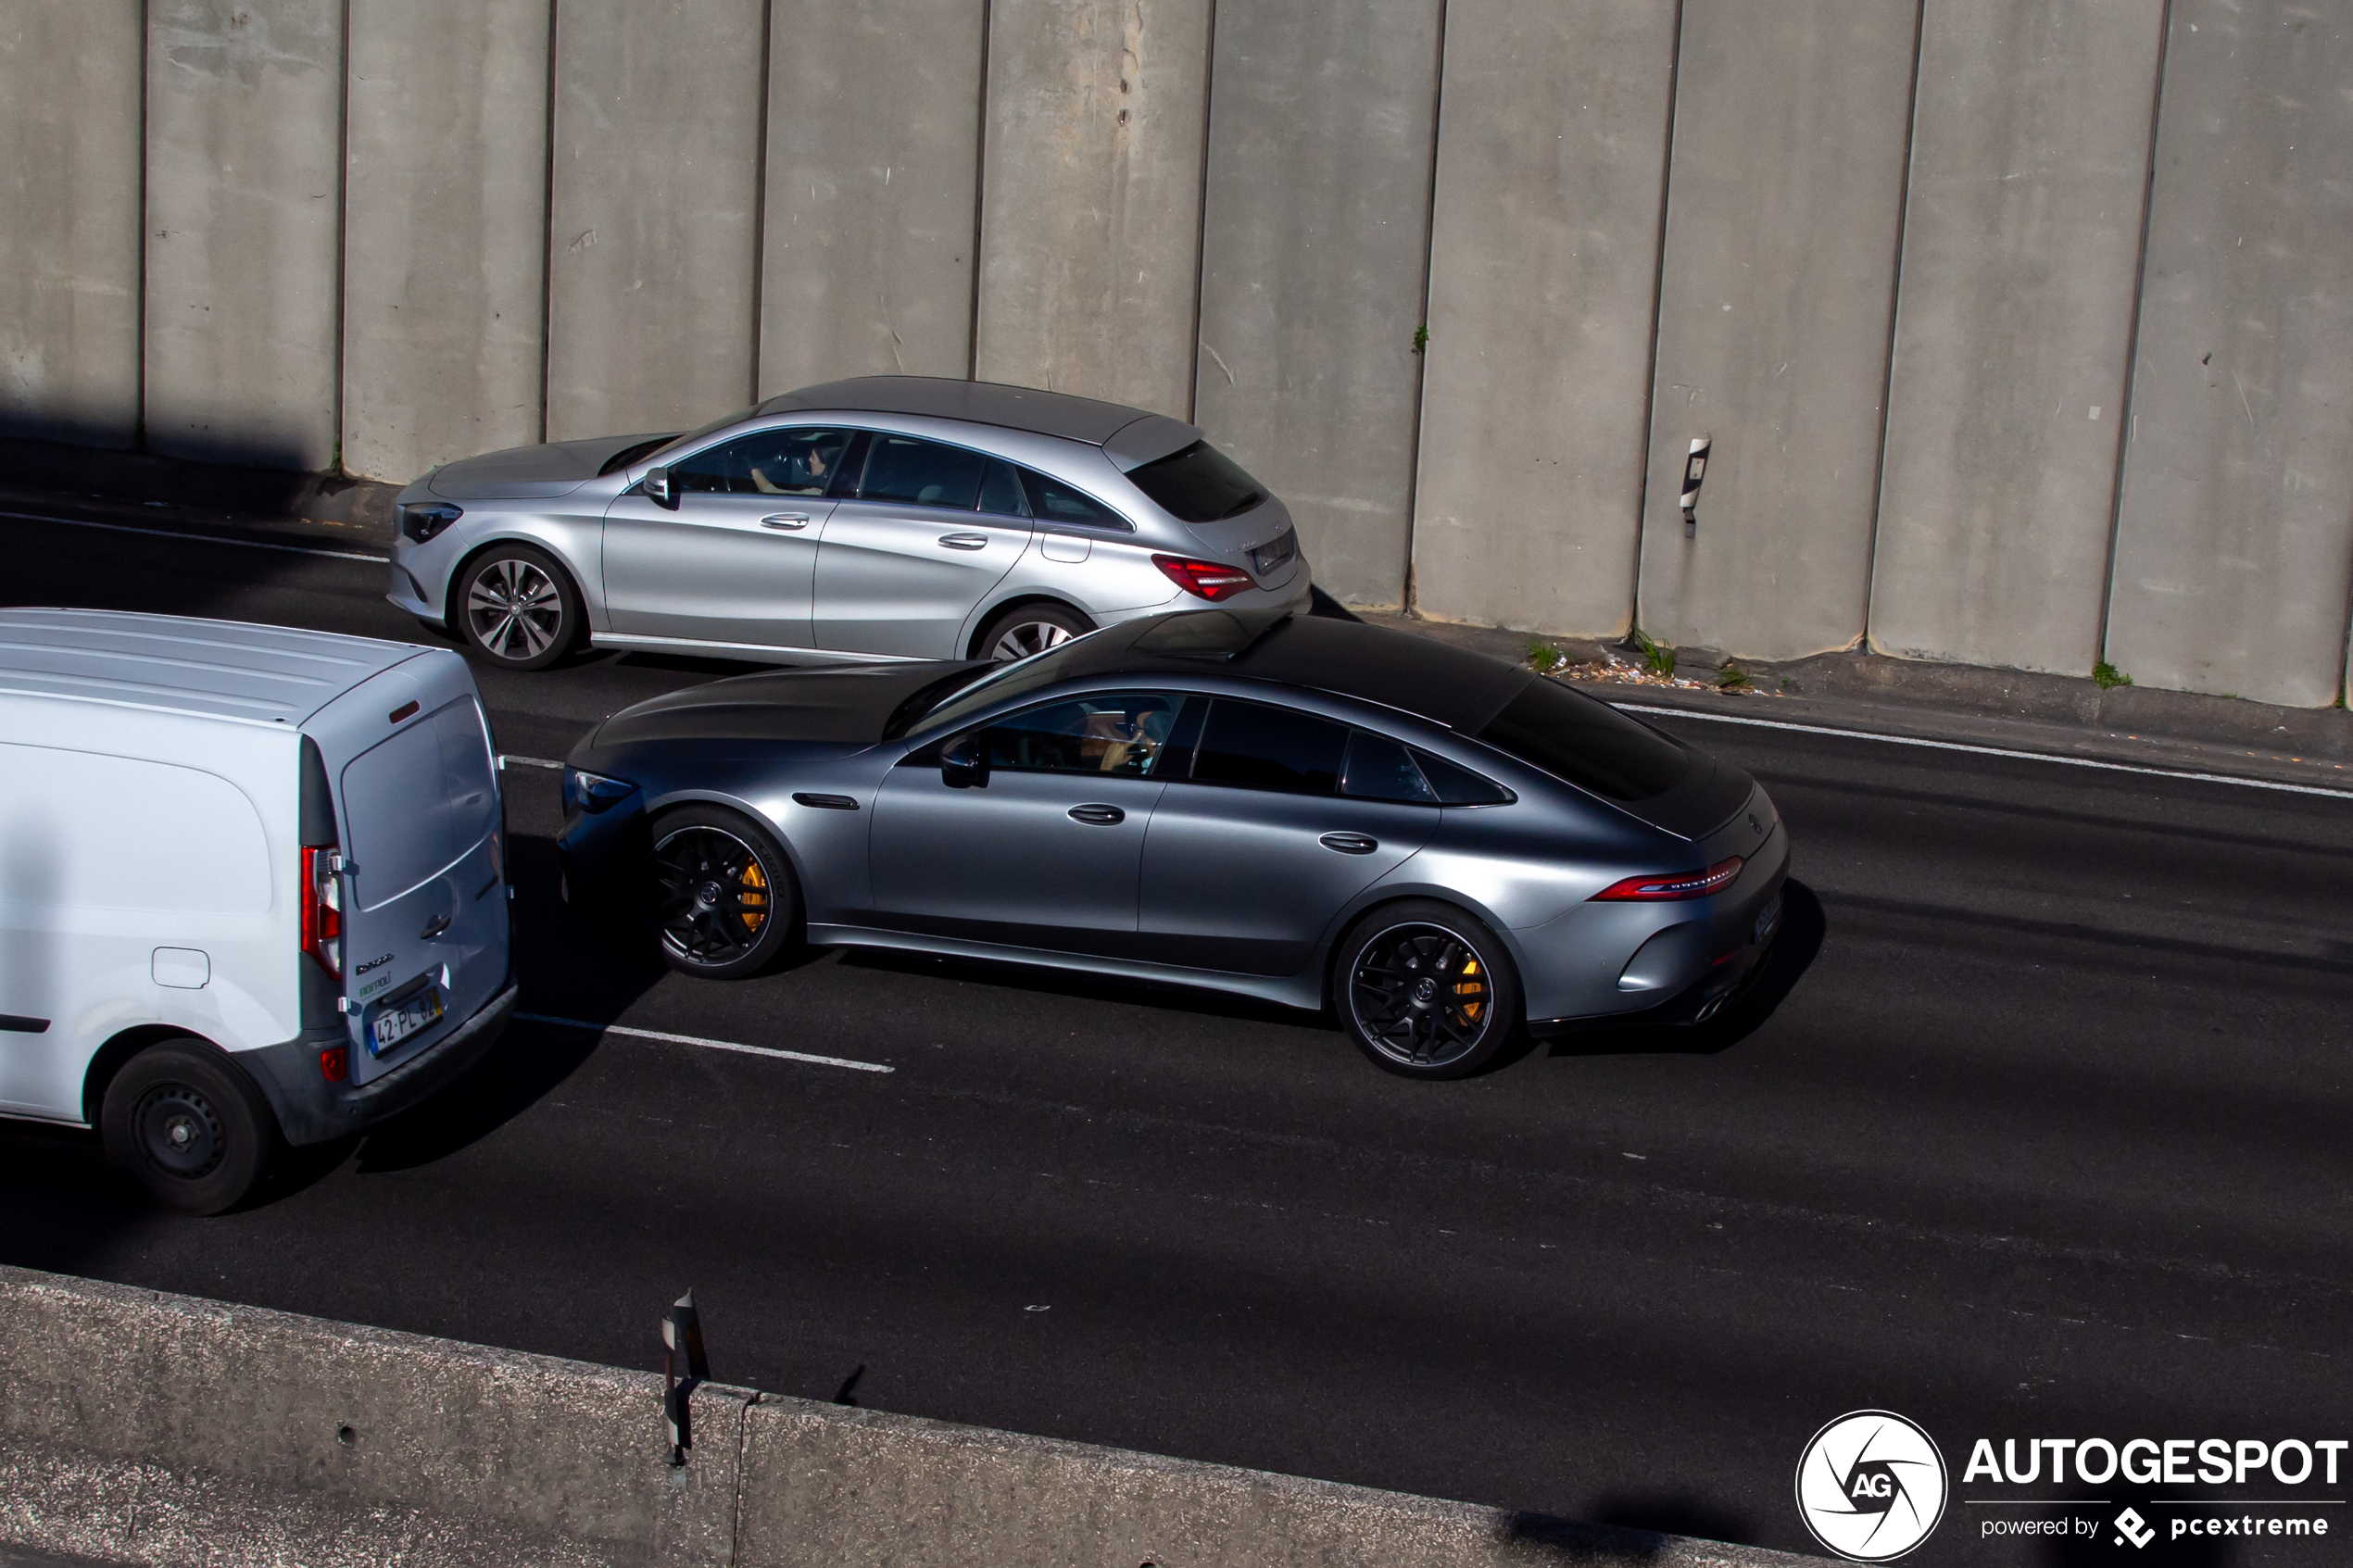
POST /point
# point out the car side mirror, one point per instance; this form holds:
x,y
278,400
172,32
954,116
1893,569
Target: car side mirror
x,y
657,486
964,764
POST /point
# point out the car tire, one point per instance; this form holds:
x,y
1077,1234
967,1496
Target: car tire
x,y
719,894
1026,629
188,1126
1425,990
517,607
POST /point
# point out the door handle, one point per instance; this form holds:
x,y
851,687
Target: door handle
x,y
964,541
433,928
1098,816
1350,843
785,520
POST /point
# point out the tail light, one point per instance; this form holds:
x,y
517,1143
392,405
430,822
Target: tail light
x,y
334,1063
1205,579
322,907
1656,889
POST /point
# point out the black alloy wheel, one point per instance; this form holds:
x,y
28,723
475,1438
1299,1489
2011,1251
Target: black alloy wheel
x,y
516,605
186,1124
1028,629
718,894
1426,991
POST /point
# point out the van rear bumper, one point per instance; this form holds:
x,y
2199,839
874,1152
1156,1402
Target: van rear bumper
x,y
312,1111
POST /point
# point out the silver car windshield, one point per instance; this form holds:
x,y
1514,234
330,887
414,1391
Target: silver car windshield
x,y
1010,680
713,428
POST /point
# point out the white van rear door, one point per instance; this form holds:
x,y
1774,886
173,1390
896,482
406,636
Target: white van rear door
x,y
425,912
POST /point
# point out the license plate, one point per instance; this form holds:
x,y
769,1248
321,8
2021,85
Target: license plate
x,y
398,1021
1275,553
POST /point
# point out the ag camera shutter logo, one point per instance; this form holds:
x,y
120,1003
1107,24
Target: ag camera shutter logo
x,y
1872,1485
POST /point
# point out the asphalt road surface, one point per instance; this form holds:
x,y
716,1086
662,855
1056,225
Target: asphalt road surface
x,y
2037,1128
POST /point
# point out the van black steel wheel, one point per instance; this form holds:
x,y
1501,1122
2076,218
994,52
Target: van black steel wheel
x,y
187,1125
718,894
1426,991
516,605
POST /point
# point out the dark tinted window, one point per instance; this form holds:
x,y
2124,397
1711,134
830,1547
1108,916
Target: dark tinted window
x,y
923,474
768,462
1589,744
1052,501
1261,747
1001,490
1198,485
1459,786
1379,768
1117,732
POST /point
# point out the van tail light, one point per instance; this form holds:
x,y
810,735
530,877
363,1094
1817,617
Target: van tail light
x,y
1204,578
1657,889
322,907
334,1063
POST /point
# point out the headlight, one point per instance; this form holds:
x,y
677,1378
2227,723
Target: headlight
x,y
421,523
593,792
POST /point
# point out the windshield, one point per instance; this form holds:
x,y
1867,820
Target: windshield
x,y
1006,679
1198,485
738,417
1588,743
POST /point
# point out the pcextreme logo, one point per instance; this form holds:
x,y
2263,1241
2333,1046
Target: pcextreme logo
x,y
1870,1485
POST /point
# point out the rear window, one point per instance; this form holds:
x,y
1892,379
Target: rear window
x,y
1198,485
1588,743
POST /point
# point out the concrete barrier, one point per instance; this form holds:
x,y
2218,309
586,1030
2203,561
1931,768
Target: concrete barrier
x,y
446,231
69,248
244,230
159,1429
2022,261
2234,538
1315,250
1543,283
872,190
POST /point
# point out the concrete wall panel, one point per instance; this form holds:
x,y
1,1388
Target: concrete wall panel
x,y
2235,539
444,232
872,190
70,250
1552,155
1784,198
2013,334
1090,197
1315,249
245,116
652,246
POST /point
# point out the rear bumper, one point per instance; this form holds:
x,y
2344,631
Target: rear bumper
x,y
312,1111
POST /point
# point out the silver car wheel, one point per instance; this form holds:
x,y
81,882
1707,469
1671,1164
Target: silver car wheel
x,y
1026,637
1420,996
514,609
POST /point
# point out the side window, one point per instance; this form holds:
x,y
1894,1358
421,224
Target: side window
x,y
1460,787
923,474
1379,768
1122,733
1254,746
1052,501
1001,490
767,462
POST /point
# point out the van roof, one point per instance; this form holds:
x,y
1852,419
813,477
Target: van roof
x,y
184,664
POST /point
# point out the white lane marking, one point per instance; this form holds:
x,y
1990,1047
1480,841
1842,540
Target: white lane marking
x,y
708,1045
199,538
1982,750
507,757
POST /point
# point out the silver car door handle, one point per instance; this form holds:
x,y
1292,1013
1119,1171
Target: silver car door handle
x,y
1098,816
785,520
964,541
1350,843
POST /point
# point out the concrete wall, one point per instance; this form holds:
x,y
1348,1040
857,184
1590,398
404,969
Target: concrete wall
x,y
244,138
1552,155
70,161
1314,244
2021,240
653,239
1090,197
2234,540
1784,197
873,189
444,232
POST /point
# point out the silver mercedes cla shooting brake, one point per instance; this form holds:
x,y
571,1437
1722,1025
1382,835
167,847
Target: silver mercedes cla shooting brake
x,y
885,518
1438,846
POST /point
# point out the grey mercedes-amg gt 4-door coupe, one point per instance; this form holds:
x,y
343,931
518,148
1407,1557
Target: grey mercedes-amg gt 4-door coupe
x,y
1437,846
881,519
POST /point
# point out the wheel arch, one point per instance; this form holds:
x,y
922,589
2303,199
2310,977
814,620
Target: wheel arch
x,y
983,618
122,1048
591,608
678,801
1374,899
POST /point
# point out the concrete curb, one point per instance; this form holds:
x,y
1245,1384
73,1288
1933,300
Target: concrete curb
x,y
147,1428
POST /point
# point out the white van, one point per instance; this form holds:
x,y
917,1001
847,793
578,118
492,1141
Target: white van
x,y
252,886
